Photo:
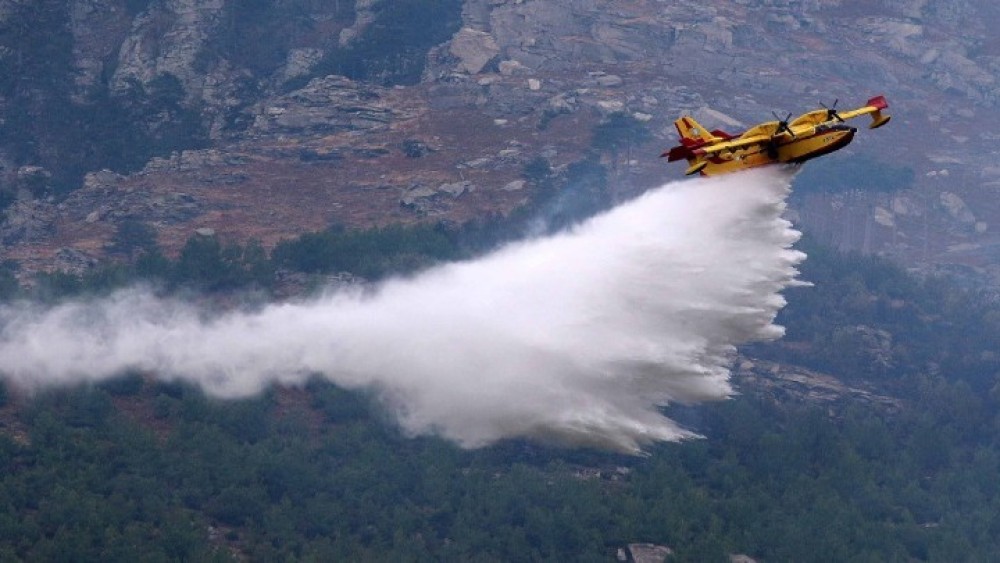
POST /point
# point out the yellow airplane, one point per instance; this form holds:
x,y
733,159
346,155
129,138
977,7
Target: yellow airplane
x,y
812,134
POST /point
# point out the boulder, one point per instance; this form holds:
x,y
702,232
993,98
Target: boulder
x,y
456,189
415,194
884,217
474,49
957,208
610,80
648,552
512,68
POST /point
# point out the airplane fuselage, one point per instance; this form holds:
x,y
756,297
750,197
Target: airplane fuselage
x,y
823,140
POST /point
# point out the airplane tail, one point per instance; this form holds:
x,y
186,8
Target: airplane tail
x,y
692,133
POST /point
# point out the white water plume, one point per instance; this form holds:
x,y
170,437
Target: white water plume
x,y
577,338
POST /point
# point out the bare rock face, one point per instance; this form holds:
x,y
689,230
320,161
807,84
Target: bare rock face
x,y
167,39
801,384
172,38
532,33
26,221
98,28
186,39
325,105
102,179
364,15
104,200
474,49
300,62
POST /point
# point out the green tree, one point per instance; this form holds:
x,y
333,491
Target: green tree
x,y
133,237
205,263
9,286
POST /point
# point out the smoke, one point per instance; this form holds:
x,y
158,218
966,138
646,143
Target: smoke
x,y
577,338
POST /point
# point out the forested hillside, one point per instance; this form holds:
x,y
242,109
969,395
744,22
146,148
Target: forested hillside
x,y
135,469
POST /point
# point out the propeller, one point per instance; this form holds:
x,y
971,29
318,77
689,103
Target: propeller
x,y
782,125
831,112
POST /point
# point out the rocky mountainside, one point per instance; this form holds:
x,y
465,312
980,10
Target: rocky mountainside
x,y
267,119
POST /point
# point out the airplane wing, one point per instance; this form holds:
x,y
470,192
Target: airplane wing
x,y
873,107
739,142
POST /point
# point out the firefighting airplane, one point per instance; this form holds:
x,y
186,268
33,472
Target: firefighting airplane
x,y
812,134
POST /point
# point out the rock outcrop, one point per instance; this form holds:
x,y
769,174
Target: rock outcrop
x,y
168,38
325,105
